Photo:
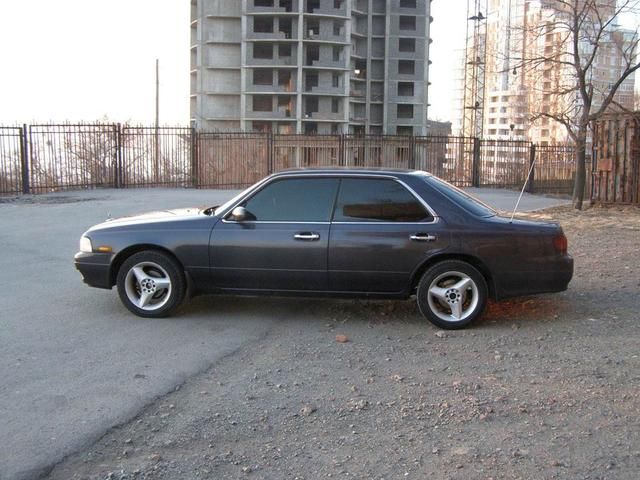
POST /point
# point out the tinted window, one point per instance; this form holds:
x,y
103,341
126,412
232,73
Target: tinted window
x,y
368,200
294,200
461,198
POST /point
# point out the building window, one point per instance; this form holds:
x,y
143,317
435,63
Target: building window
x,y
313,54
262,103
407,44
335,105
262,126
337,29
311,80
312,5
407,3
263,25
263,50
284,50
336,80
263,76
404,111
285,80
263,3
405,89
285,26
404,130
407,22
336,54
406,67
285,105
313,27
311,106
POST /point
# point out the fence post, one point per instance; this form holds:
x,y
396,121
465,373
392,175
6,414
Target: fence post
x,y
532,160
24,159
412,152
194,158
270,147
118,169
341,156
475,163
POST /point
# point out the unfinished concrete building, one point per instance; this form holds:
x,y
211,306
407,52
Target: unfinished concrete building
x,y
310,66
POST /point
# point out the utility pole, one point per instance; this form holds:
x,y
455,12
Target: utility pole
x,y
157,124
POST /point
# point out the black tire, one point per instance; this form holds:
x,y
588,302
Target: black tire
x,y
151,284
452,294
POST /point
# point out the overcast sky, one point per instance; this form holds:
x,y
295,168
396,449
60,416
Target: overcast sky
x,y
88,59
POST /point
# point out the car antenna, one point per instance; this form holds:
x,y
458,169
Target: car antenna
x,y
533,163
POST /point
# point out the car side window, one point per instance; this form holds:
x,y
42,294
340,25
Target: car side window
x,y
294,200
377,200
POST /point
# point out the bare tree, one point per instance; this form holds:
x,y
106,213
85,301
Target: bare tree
x,y
568,54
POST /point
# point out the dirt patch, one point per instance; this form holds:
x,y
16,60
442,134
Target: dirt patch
x,y
541,387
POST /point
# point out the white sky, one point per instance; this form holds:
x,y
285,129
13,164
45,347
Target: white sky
x,y
87,59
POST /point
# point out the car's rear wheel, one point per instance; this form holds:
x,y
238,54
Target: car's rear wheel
x,y
452,294
151,284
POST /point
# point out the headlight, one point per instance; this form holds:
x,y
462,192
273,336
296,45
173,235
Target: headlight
x,y
85,245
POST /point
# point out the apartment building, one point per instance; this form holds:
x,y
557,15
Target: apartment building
x,y
310,66
513,95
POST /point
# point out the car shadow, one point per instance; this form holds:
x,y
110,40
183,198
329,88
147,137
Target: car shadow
x,y
521,310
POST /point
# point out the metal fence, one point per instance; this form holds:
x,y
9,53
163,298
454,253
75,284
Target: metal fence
x,y
12,160
47,158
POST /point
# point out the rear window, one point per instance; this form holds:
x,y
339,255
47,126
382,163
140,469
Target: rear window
x,y
461,198
377,200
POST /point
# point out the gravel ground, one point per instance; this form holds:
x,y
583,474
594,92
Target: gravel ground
x,y
541,387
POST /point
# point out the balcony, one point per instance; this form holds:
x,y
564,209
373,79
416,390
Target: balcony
x,y
271,89
280,114
323,117
323,90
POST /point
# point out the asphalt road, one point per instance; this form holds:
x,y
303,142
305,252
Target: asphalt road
x,y
73,362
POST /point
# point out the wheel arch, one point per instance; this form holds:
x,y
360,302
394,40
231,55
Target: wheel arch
x,y
470,259
122,256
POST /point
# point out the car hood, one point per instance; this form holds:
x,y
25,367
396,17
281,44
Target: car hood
x,y
152,218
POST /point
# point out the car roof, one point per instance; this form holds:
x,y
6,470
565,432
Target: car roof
x,y
350,171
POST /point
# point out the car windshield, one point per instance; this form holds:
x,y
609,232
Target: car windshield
x,y
462,198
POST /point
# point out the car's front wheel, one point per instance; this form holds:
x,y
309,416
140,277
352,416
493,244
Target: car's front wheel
x,y
452,294
151,284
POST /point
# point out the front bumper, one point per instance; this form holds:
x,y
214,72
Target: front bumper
x,y
95,268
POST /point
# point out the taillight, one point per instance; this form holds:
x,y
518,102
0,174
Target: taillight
x,y
560,243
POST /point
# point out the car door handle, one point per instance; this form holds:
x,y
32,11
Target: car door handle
x,y
422,237
309,236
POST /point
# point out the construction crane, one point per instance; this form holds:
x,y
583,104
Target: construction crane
x,y
474,68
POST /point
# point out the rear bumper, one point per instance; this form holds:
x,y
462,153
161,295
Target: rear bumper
x,y
555,277
94,268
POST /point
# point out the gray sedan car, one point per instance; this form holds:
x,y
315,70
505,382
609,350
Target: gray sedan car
x,y
335,233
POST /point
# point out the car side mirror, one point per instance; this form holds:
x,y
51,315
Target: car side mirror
x,y
239,214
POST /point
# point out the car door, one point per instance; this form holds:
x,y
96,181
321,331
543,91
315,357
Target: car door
x,y
283,244
380,233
